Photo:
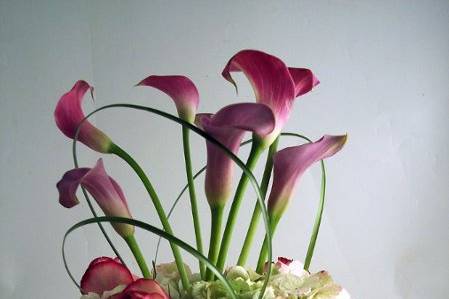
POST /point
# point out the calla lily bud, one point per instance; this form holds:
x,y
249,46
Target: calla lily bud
x,y
228,126
290,163
104,189
182,91
69,114
274,84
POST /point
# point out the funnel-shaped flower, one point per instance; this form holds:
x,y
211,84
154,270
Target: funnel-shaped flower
x,y
228,126
274,84
291,162
182,91
102,187
69,114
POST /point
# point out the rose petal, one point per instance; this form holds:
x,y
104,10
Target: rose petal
x,y
104,276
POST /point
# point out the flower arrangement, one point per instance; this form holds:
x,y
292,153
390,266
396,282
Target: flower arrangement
x,y
276,86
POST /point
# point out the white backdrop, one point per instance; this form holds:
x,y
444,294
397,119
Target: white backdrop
x,y
384,72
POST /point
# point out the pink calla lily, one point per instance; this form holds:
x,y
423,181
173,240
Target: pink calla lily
x,y
182,91
102,187
228,126
69,114
274,84
104,274
291,162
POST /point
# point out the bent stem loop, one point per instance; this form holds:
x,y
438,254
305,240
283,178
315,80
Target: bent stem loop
x,y
118,151
256,212
263,251
229,153
192,194
132,243
256,149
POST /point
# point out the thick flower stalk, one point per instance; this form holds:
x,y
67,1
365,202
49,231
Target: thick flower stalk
x,y
228,126
184,94
69,114
276,86
108,195
289,165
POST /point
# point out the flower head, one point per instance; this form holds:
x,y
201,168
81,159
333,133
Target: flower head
x,y
274,84
69,114
102,187
228,126
290,163
182,91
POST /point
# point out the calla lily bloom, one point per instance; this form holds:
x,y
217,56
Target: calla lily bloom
x,y
228,126
182,91
274,84
105,274
69,114
289,165
102,187
107,278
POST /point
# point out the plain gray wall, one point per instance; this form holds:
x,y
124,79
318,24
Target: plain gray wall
x,y
384,72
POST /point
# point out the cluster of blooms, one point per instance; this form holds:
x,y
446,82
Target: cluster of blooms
x,y
109,279
276,86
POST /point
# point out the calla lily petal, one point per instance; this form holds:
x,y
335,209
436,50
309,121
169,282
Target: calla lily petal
x,y
147,287
228,126
304,80
104,275
69,114
68,185
105,190
273,82
181,89
290,163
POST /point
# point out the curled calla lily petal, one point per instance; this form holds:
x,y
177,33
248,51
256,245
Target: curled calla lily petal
x,y
303,79
69,114
104,274
143,289
273,82
228,126
181,89
290,163
104,189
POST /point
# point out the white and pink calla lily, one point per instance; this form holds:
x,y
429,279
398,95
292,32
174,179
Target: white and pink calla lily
x,y
274,84
182,91
228,126
290,163
69,114
104,189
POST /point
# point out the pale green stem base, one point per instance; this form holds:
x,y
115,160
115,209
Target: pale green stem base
x,y
132,243
244,253
192,193
115,149
256,150
215,233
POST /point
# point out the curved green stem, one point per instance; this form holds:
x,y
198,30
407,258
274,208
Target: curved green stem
x,y
256,212
132,243
274,220
256,150
115,149
215,232
192,193
316,225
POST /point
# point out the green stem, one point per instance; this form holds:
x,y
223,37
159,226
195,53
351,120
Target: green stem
x,y
132,243
274,220
256,150
256,212
316,226
215,232
192,193
115,149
